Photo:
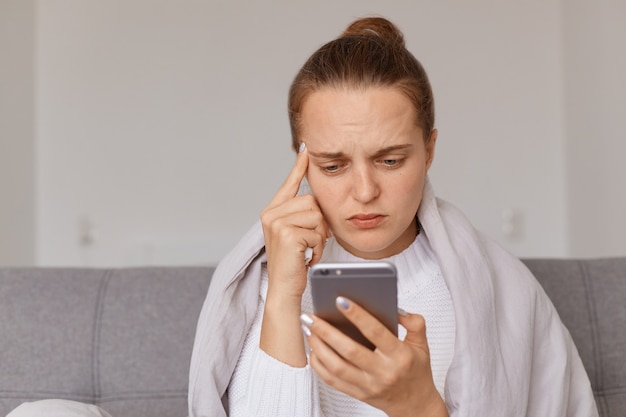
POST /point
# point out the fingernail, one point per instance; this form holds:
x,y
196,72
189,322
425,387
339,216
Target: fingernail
x,y
302,147
402,312
306,330
306,320
342,303
308,255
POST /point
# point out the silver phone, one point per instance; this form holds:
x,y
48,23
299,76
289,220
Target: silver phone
x,y
372,285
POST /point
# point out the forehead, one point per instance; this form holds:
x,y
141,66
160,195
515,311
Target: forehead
x,y
348,103
378,115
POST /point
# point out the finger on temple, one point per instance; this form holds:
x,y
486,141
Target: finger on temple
x,y
290,187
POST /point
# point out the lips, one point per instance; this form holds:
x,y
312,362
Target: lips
x,y
366,221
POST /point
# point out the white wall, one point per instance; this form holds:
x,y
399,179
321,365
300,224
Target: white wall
x,y
496,71
595,68
162,132
17,151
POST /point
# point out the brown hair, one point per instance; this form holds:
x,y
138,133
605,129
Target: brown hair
x,y
370,53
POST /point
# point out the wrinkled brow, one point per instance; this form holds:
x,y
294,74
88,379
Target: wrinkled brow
x,y
339,155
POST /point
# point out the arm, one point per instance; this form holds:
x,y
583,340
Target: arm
x,y
279,381
291,224
264,386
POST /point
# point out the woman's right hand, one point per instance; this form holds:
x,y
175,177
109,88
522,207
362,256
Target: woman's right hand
x,y
291,224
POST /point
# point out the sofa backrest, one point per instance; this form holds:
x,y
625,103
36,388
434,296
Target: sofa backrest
x,y
122,338
590,296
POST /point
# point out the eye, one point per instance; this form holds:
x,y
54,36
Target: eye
x,y
391,162
330,168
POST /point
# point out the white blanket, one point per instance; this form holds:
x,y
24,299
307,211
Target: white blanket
x,y
513,356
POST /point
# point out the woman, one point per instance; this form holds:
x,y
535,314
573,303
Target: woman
x,y
482,339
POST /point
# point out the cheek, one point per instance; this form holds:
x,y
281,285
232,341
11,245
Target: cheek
x,y
319,183
325,192
408,189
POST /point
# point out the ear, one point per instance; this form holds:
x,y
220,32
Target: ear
x,y
430,148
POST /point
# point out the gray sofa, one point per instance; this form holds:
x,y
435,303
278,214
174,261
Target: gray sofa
x,y
122,338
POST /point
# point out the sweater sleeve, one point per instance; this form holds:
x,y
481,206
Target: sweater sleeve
x,y
263,386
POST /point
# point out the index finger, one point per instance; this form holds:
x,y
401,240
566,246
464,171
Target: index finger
x,y
290,187
373,330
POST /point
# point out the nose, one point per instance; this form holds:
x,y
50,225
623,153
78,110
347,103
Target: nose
x,y
365,187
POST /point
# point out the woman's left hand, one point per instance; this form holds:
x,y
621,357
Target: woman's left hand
x,y
396,377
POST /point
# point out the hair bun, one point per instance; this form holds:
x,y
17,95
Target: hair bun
x,y
375,26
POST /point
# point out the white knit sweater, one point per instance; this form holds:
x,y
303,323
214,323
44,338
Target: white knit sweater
x,y
264,386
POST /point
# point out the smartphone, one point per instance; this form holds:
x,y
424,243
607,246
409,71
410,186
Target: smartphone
x,y
372,285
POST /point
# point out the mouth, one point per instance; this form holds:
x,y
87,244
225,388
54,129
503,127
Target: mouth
x,y
366,221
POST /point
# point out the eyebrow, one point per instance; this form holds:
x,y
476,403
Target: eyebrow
x,y
383,151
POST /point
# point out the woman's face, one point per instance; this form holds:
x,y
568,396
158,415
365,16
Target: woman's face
x,y
367,166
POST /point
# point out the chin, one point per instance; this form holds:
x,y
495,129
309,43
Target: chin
x,y
373,249
375,243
